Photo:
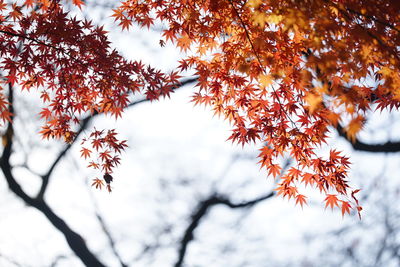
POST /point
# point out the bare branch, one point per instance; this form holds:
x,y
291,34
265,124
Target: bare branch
x,y
75,241
11,261
106,231
202,210
62,153
84,124
388,147
57,260
205,205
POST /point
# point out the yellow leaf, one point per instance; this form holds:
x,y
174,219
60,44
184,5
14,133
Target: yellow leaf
x,y
354,127
254,3
265,80
334,10
274,19
314,101
386,71
259,18
184,42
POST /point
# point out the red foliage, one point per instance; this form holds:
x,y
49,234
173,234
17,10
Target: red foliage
x,y
282,72
76,71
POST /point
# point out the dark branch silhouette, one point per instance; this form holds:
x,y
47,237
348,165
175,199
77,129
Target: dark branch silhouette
x,y
74,240
83,126
357,144
56,260
361,146
202,210
105,229
63,152
11,261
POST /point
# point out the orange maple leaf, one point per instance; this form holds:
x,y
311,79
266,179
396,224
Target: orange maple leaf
x,y
184,42
97,183
78,3
274,169
354,127
301,199
85,153
331,201
345,208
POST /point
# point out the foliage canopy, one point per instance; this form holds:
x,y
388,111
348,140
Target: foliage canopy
x,y
282,72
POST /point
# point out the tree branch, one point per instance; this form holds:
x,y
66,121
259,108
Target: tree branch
x,y
202,210
373,18
105,230
56,260
84,124
74,240
390,49
11,261
388,147
357,144
63,152
178,86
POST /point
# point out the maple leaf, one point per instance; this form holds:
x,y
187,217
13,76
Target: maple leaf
x,y
97,144
12,79
183,42
146,22
354,127
125,23
29,3
301,199
334,156
265,80
274,169
345,208
16,13
289,191
169,34
78,3
293,172
314,101
162,43
331,201
45,114
308,178
45,97
46,132
97,183
85,153
94,165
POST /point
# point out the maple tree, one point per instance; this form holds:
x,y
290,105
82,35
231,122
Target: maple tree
x,y
282,72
